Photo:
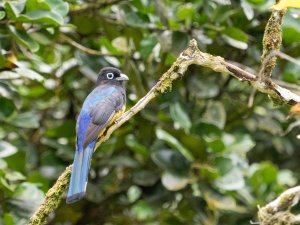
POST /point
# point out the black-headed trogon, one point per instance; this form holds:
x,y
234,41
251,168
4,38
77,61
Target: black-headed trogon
x,y
100,109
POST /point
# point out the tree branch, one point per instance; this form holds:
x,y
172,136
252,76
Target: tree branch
x,y
271,42
85,49
192,55
278,211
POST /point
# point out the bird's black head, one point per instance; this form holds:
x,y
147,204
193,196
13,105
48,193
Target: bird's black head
x,y
111,75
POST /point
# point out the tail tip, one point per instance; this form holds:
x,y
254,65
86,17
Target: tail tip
x,y
75,197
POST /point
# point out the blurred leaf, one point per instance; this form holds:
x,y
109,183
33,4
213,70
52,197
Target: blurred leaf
x,y
226,203
59,6
142,210
120,43
185,11
26,120
14,8
171,161
24,39
7,75
249,12
235,37
224,165
26,199
215,114
132,143
30,74
180,41
2,14
147,45
133,193
3,164
6,149
240,144
233,180
173,142
14,176
140,175
200,89
137,19
9,92
8,219
174,183
262,174
180,117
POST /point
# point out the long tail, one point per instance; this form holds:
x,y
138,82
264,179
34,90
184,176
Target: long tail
x,y
80,171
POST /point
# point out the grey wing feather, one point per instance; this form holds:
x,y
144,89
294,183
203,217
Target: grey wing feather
x,y
101,114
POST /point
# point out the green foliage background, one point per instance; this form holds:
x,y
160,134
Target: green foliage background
x,y
197,155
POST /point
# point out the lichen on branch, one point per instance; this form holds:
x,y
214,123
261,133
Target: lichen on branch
x,y
271,42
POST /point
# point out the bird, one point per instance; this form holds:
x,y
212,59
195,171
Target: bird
x,y
100,109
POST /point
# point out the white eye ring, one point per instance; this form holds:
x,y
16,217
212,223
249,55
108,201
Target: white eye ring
x,y
110,76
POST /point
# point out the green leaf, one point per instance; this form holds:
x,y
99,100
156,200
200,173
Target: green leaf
x,y
142,210
8,219
240,143
24,39
7,149
137,19
180,41
134,193
262,174
120,43
224,165
248,10
2,15
147,45
235,37
59,6
180,117
3,164
215,114
133,144
26,199
8,75
171,161
233,180
42,16
14,176
145,178
173,142
9,92
174,183
26,120
32,5
28,73
185,11
14,8
7,107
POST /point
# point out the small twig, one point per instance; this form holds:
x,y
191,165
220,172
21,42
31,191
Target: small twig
x,y
291,127
287,57
85,49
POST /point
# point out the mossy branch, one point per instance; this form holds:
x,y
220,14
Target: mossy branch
x,y
271,42
278,211
192,55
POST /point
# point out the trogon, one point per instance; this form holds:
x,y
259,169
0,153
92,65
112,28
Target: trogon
x,y
100,109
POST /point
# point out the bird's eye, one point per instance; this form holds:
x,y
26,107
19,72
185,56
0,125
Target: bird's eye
x,y
110,76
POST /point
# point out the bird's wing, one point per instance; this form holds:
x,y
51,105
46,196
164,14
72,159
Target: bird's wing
x,y
102,114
